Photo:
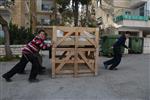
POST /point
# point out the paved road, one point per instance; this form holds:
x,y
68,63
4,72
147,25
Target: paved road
x,y
130,82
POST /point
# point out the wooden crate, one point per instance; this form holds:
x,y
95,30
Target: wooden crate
x,y
74,51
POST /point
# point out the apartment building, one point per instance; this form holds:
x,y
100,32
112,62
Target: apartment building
x,y
19,13
104,11
42,14
5,13
134,16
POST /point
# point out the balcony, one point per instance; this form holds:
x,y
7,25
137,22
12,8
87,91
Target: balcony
x,y
133,21
131,17
137,3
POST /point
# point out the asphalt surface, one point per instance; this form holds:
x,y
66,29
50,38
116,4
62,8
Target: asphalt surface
x,y
130,82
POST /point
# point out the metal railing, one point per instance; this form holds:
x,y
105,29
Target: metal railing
x,y
131,17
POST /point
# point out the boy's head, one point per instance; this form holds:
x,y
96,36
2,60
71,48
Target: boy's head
x,y
126,34
42,34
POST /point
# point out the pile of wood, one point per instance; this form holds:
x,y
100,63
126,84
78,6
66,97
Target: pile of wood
x,y
75,51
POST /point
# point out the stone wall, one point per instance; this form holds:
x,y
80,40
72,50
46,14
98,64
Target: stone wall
x,y
16,49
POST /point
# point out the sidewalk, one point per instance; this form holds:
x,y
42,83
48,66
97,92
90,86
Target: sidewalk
x,y
130,82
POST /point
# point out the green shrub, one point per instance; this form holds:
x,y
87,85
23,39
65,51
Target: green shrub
x,y
9,58
1,40
19,35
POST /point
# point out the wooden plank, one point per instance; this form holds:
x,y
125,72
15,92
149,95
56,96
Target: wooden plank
x,y
89,65
66,72
89,39
84,71
86,49
97,51
76,55
66,29
72,61
87,29
53,53
81,43
62,64
60,41
65,49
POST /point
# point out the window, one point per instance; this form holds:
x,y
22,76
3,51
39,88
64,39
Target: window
x,y
45,7
141,11
127,13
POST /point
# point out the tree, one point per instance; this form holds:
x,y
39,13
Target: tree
x,y
5,28
86,2
75,7
4,25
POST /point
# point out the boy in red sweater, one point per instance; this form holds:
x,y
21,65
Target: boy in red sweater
x,y
29,54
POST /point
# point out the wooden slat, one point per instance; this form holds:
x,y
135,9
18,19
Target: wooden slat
x,y
72,61
97,51
65,49
85,59
62,64
66,72
60,41
76,55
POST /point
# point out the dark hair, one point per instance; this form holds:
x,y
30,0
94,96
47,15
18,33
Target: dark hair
x,y
128,32
42,31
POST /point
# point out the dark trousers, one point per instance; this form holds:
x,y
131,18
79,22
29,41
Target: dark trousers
x,y
39,57
23,61
115,61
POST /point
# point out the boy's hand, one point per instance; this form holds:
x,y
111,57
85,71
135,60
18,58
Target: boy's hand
x,y
49,45
129,48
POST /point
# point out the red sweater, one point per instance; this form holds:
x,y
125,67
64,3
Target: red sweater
x,y
34,46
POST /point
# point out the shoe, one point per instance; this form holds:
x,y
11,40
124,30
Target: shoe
x,y
33,80
113,69
22,73
105,65
7,79
43,68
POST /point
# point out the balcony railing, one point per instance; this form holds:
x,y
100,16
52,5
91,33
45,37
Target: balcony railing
x,y
131,17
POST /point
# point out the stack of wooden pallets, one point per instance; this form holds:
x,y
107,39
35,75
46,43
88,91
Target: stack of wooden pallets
x,y
74,51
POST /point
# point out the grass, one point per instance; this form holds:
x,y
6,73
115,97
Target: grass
x,y
9,58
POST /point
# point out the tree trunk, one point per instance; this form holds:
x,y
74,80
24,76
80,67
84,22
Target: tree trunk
x,y
76,12
87,12
6,36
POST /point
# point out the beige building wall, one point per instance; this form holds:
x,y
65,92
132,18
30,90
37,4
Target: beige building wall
x,y
120,6
121,3
20,13
105,11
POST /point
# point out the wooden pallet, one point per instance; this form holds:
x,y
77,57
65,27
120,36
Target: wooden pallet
x,y
75,52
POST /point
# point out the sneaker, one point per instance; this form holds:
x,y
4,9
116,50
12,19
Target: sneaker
x,y
105,66
114,69
6,79
43,68
33,80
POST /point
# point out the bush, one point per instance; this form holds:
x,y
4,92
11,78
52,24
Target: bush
x,y
20,35
1,40
9,58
